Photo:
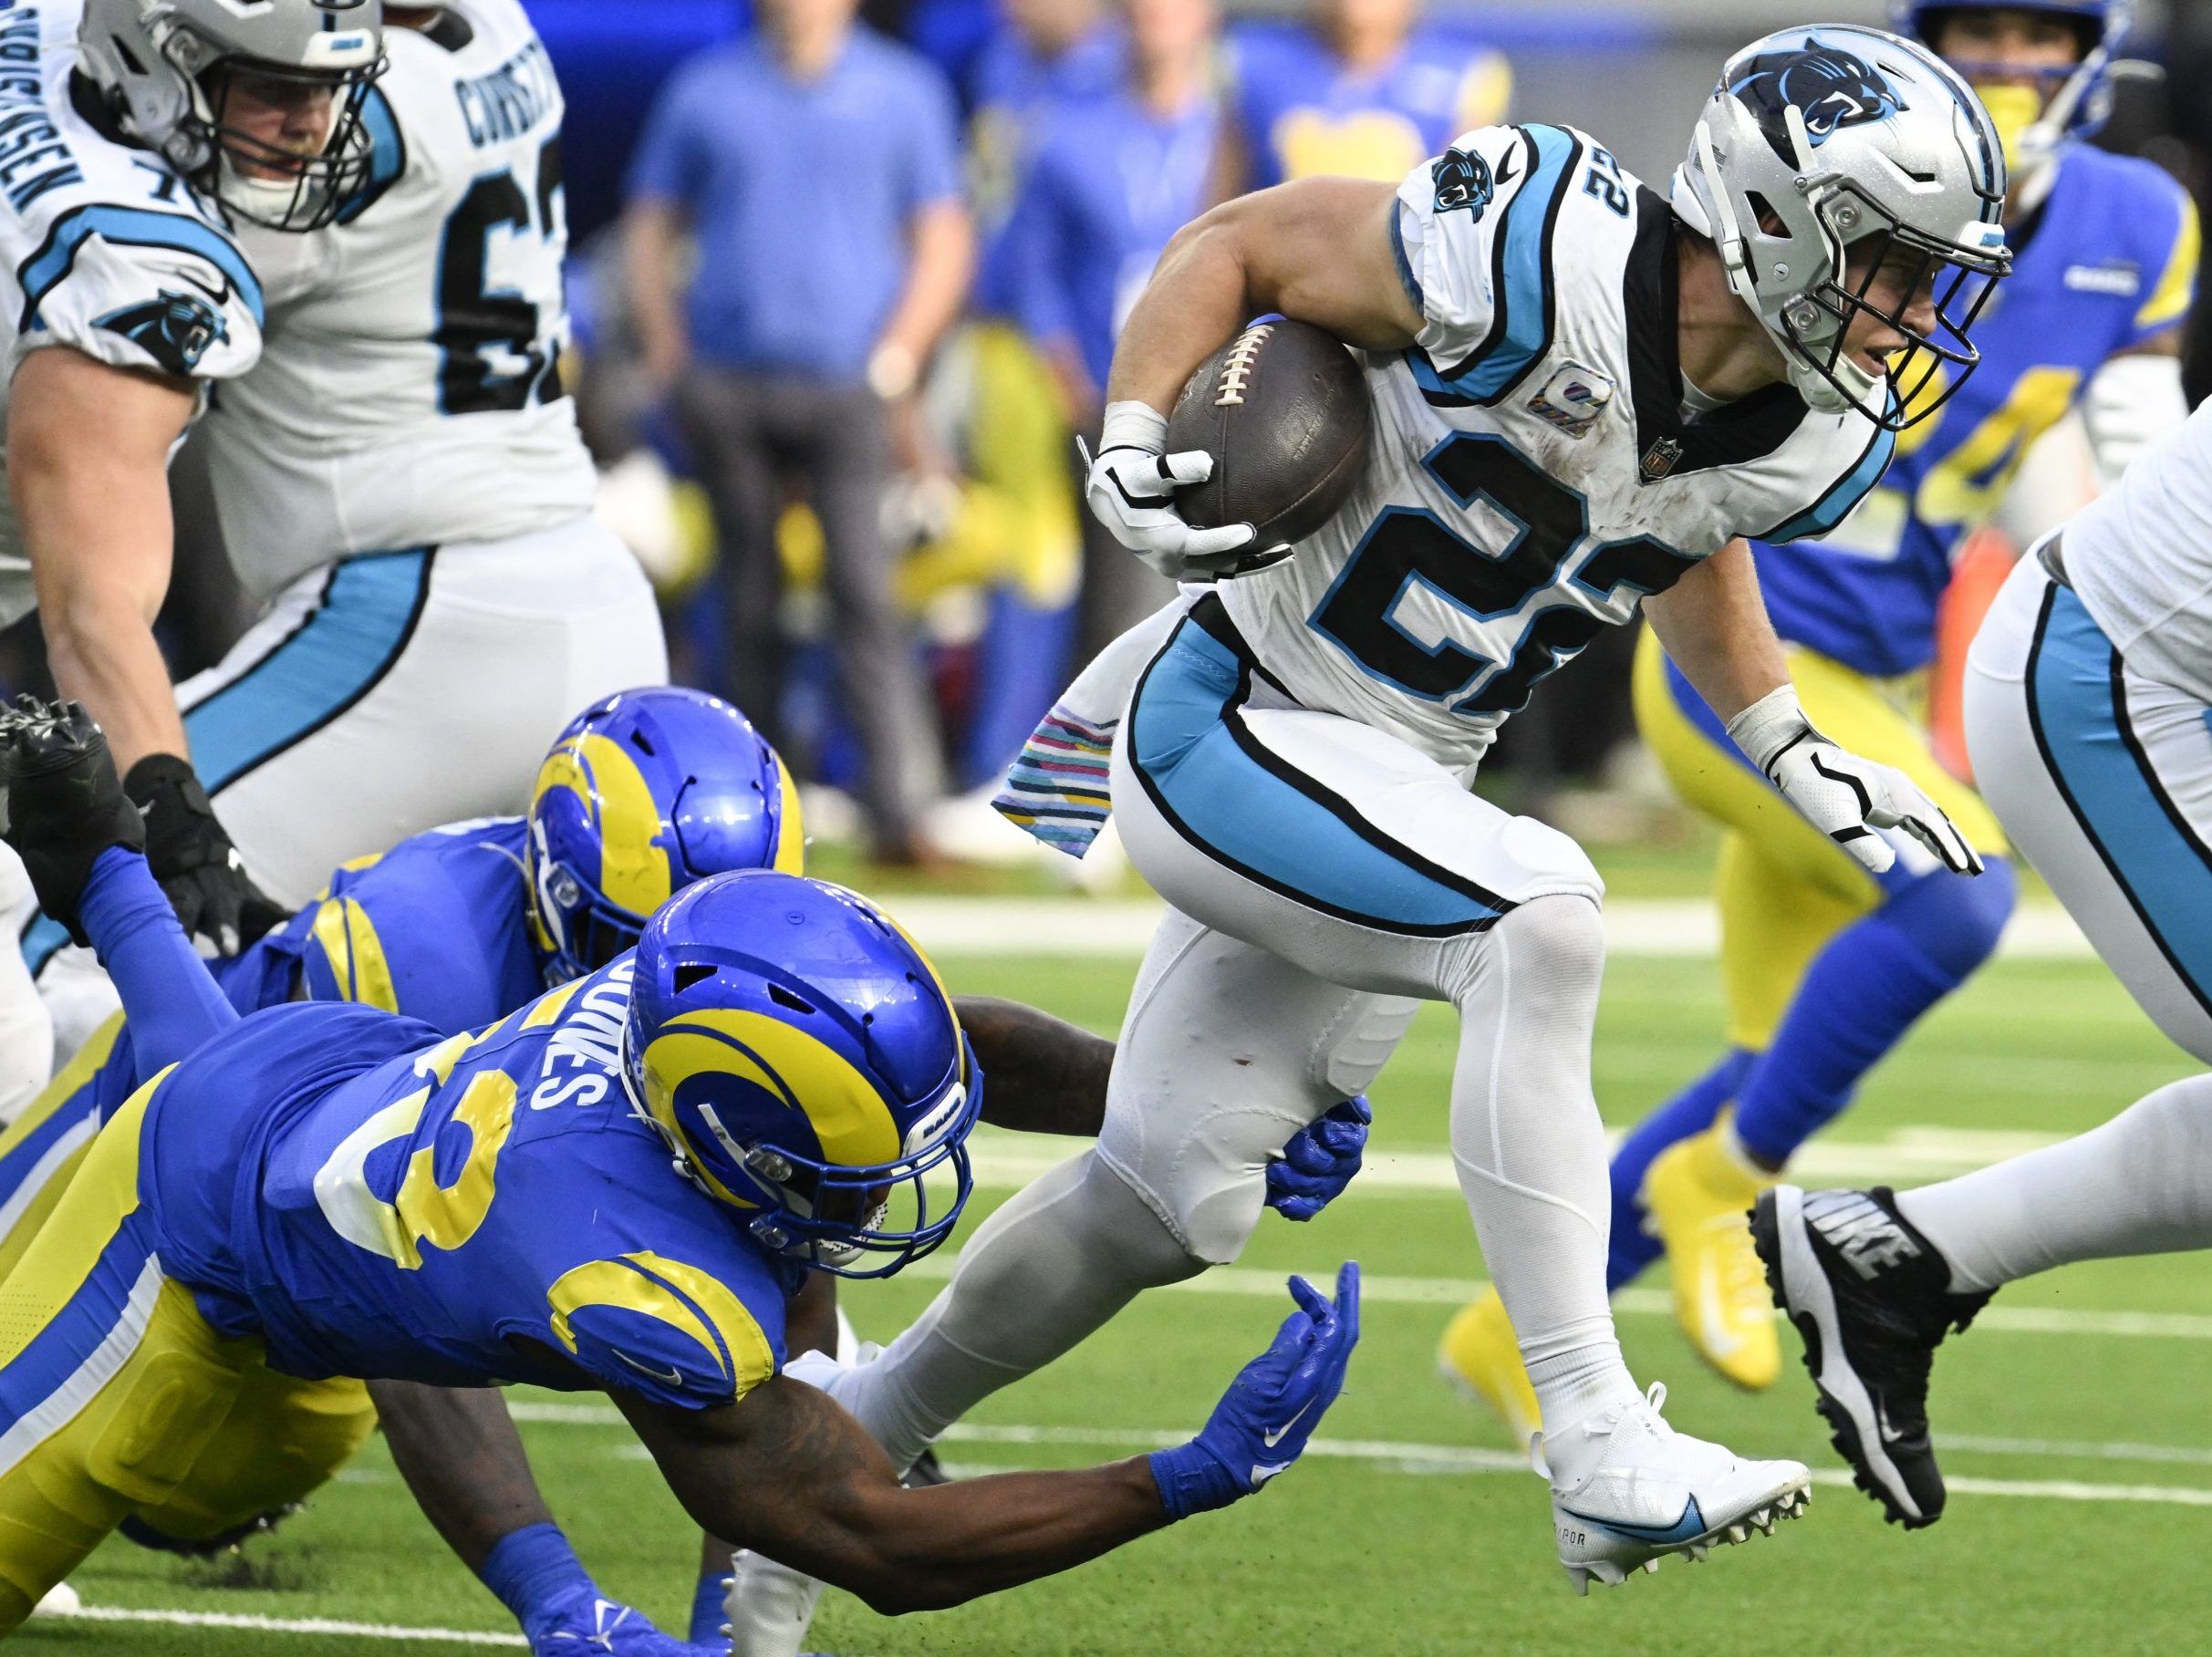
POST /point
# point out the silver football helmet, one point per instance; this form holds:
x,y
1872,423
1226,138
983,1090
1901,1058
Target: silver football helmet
x,y
168,70
1817,142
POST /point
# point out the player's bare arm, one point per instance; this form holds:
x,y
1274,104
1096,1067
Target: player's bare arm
x,y
88,461
1317,249
1047,1076
786,1472
1715,627
459,1451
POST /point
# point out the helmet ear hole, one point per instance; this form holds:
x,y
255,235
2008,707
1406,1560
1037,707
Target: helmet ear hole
x,y
1764,215
689,976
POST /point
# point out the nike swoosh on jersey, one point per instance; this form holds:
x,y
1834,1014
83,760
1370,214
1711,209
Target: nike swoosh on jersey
x,y
1271,1439
673,1377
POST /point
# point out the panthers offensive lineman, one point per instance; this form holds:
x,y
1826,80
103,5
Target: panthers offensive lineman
x,y
2088,720
1583,394
1826,965
129,299
401,479
321,1190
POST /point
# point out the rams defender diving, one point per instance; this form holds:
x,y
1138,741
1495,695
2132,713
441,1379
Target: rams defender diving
x,y
1825,964
1583,394
334,1190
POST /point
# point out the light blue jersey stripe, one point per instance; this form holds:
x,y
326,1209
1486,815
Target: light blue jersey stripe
x,y
132,227
2081,727
1835,506
1260,821
1523,326
345,645
348,642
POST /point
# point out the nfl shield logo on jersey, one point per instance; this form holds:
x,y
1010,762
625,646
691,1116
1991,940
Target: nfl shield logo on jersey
x,y
1572,398
1659,459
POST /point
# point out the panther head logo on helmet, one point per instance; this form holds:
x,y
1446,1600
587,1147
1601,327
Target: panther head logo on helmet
x,y
1832,89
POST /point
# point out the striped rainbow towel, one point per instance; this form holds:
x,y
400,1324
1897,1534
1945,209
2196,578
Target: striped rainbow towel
x,y
1057,786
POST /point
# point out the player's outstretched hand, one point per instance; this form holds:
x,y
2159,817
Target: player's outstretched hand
x,y
585,1625
199,868
1263,1422
1131,486
64,803
1843,795
1320,1161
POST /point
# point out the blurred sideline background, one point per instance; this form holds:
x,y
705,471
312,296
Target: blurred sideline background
x,y
1001,589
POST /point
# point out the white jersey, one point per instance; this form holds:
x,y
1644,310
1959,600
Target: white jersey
x,y
2140,556
103,247
1533,475
409,393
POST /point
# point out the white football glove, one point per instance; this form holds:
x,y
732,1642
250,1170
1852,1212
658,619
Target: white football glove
x,y
1843,796
1131,488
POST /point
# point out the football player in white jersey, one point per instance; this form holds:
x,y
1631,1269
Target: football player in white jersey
x,y
1584,394
2089,720
119,190
401,481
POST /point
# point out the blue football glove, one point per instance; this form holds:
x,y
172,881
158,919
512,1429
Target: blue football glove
x,y
1263,1421
1319,1162
582,1624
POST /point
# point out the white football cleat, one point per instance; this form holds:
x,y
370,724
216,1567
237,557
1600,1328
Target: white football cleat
x,y
1646,1491
770,1607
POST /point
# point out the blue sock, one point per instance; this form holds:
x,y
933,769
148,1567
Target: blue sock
x,y
1860,996
530,1568
172,1000
1690,1112
706,1613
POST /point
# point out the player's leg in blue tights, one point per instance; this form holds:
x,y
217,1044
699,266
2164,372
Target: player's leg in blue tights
x,y
1864,988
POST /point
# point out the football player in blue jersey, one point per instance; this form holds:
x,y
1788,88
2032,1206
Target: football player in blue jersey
x,y
1824,965
642,794
614,1187
1360,90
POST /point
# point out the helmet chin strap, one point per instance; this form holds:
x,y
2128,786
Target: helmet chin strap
x,y
1728,239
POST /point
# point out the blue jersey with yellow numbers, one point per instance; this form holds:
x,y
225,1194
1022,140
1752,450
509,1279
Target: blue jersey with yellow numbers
x,y
372,1201
436,928
1301,110
2108,262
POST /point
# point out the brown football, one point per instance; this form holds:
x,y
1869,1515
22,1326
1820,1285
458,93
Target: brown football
x,y
1282,408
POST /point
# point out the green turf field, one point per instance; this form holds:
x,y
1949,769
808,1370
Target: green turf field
x,y
2081,1441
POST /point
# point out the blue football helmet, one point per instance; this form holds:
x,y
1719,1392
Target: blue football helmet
x,y
803,1062
645,792
2074,101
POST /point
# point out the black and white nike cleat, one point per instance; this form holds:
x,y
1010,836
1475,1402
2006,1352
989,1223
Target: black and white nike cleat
x,y
1871,1299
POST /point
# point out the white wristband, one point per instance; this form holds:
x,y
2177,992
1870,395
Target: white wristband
x,y
1134,425
1769,725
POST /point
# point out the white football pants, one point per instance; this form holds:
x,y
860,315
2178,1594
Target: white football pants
x,y
1324,878
389,694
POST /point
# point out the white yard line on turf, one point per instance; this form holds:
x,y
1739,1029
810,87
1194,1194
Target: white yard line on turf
x,y
294,1625
1915,1154
1253,1283
1460,1458
1664,927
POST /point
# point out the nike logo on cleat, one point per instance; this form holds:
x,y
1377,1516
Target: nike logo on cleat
x,y
1858,1229
1690,1525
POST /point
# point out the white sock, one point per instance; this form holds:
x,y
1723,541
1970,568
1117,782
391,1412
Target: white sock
x,y
1052,1266
1531,1149
2142,1184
